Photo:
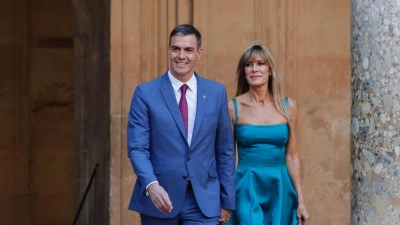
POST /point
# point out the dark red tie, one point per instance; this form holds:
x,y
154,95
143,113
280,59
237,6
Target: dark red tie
x,y
183,106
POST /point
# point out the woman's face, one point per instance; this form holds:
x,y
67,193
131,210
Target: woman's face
x,y
257,71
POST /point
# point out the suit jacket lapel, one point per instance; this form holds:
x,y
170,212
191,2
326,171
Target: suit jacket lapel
x,y
170,100
201,103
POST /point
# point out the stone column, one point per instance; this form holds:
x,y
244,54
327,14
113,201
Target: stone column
x,y
375,111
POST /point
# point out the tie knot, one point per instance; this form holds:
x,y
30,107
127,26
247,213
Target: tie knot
x,y
184,88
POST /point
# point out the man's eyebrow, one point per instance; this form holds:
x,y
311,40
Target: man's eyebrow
x,y
187,48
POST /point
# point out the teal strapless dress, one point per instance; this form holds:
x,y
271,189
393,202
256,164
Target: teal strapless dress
x,y
264,191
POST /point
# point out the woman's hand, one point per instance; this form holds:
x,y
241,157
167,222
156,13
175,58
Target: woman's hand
x,y
225,216
302,215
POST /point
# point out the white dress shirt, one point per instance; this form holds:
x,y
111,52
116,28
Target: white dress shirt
x,y
191,98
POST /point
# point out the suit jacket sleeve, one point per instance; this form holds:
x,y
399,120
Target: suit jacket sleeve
x,y
139,138
225,156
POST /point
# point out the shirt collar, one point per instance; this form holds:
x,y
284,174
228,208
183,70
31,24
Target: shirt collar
x,y
176,84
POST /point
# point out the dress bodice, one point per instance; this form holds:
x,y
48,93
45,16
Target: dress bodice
x,y
262,145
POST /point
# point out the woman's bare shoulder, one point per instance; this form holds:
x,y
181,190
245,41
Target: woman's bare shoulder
x,y
241,98
292,104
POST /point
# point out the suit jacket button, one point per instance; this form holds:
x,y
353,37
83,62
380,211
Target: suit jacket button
x,y
184,177
188,159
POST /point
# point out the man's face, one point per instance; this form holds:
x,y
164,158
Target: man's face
x,y
183,55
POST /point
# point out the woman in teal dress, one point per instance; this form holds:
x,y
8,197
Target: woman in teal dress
x,y
268,181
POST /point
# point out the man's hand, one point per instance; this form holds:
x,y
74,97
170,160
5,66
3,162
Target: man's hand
x,y
225,216
160,197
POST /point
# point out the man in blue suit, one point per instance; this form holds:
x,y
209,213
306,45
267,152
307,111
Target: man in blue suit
x,y
180,142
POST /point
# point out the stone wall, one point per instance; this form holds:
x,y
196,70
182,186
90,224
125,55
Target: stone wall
x,y
310,40
37,111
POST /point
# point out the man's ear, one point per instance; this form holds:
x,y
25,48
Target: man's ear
x,y
199,53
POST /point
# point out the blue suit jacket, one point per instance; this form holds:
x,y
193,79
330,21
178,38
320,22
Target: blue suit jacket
x,y
158,149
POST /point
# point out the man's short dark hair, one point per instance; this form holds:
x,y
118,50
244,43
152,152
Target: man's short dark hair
x,y
186,29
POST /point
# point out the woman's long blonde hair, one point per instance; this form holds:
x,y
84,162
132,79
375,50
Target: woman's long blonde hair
x,y
274,86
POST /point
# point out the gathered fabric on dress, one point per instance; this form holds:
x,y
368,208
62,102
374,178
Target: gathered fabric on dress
x,y
265,194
